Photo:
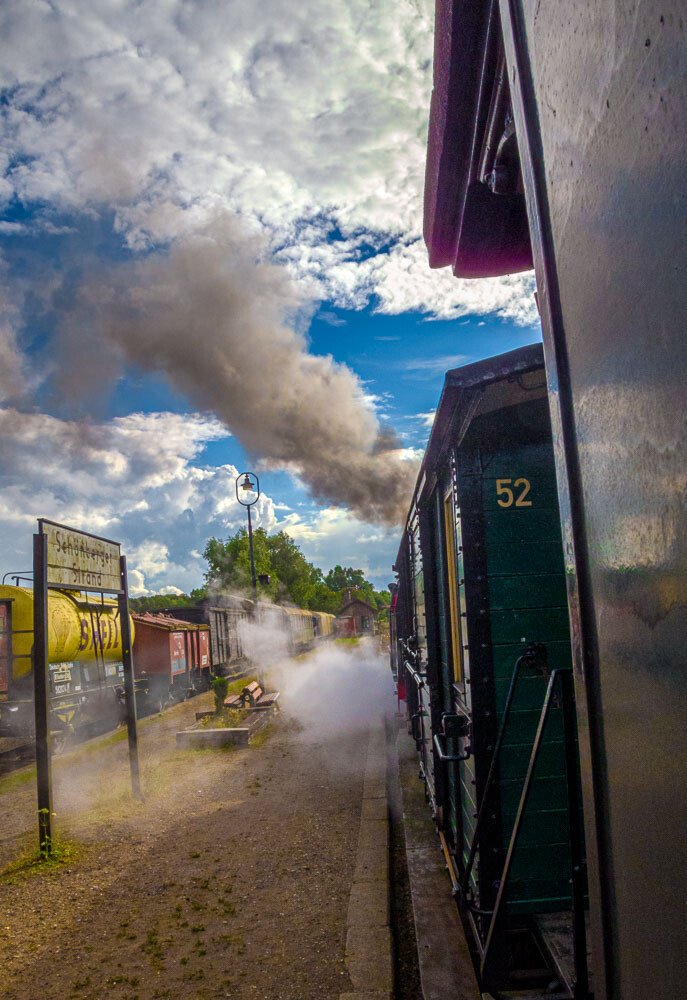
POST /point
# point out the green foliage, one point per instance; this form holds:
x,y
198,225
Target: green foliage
x,y
156,602
220,686
297,576
325,599
52,854
292,578
229,562
225,718
343,578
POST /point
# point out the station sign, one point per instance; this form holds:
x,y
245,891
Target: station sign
x,y
80,561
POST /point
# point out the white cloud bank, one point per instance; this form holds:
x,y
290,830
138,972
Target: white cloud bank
x,y
333,535
141,480
300,118
307,122
137,480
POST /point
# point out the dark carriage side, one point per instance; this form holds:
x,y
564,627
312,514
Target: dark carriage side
x,y
557,136
493,596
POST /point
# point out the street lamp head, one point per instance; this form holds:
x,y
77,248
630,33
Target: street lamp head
x,y
247,489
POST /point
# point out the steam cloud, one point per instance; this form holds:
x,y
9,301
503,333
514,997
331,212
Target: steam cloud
x,y
214,316
335,688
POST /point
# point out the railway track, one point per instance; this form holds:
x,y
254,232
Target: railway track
x,y
16,752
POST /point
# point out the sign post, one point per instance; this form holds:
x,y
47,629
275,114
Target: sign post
x,y
67,559
41,696
129,694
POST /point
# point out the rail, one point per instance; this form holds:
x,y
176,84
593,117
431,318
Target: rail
x,y
449,758
581,986
534,655
416,676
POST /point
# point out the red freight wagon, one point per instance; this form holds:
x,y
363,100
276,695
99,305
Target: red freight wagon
x,y
173,655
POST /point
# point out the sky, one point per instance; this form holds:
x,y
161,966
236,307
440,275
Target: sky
x,y
211,261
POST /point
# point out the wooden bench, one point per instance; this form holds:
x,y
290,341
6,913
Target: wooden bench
x,y
255,699
234,701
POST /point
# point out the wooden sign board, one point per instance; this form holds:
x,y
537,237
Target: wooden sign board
x,y
80,561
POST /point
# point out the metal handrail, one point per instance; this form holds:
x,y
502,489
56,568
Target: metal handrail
x,y
417,677
22,574
449,758
581,988
532,654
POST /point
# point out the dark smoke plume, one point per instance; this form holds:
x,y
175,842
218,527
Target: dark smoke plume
x,y
214,316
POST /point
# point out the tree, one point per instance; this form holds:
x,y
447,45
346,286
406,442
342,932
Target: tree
x,y
341,578
296,575
325,599
155,602
229,562
292,578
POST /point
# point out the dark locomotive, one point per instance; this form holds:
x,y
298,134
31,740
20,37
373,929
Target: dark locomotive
x,y
557,140
481,623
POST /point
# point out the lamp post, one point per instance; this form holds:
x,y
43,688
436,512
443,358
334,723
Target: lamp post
x,y
247,488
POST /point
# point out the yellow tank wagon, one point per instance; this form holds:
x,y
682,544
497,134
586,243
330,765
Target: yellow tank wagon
x,y
84,652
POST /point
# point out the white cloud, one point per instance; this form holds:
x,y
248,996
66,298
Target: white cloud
x,y
426,419
429,367
308,121
333,535
137,479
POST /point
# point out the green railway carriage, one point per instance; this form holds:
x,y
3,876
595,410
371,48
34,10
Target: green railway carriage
x,y
482,623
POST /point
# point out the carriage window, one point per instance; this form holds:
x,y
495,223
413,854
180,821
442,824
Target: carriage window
x,y
451,568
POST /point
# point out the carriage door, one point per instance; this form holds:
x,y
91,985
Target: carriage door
x,y
454,649
422,728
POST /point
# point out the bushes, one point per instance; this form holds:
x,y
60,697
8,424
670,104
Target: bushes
x,y
220,686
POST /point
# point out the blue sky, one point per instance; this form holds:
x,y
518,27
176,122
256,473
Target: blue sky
x,y
211,259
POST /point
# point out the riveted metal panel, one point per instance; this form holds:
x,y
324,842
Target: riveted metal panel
x,y
601,105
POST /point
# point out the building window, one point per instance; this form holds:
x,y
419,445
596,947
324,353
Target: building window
x,y
365,622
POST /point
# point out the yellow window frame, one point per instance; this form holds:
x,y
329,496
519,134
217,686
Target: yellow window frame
x,y
451,569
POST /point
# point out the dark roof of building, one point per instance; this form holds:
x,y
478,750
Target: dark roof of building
x,y
166,622
349,604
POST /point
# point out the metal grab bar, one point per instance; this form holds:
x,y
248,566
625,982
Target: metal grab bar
x,y
531,656
413,719
581,987
449,758
418,678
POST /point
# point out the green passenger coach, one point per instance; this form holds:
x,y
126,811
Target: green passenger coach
x,y
484,651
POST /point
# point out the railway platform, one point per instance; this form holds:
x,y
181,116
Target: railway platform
x,y
257,872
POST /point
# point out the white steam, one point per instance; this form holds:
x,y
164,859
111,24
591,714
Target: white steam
x,y
218,320
337,687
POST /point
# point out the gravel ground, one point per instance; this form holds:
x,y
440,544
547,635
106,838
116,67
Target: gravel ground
x,y
231,879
